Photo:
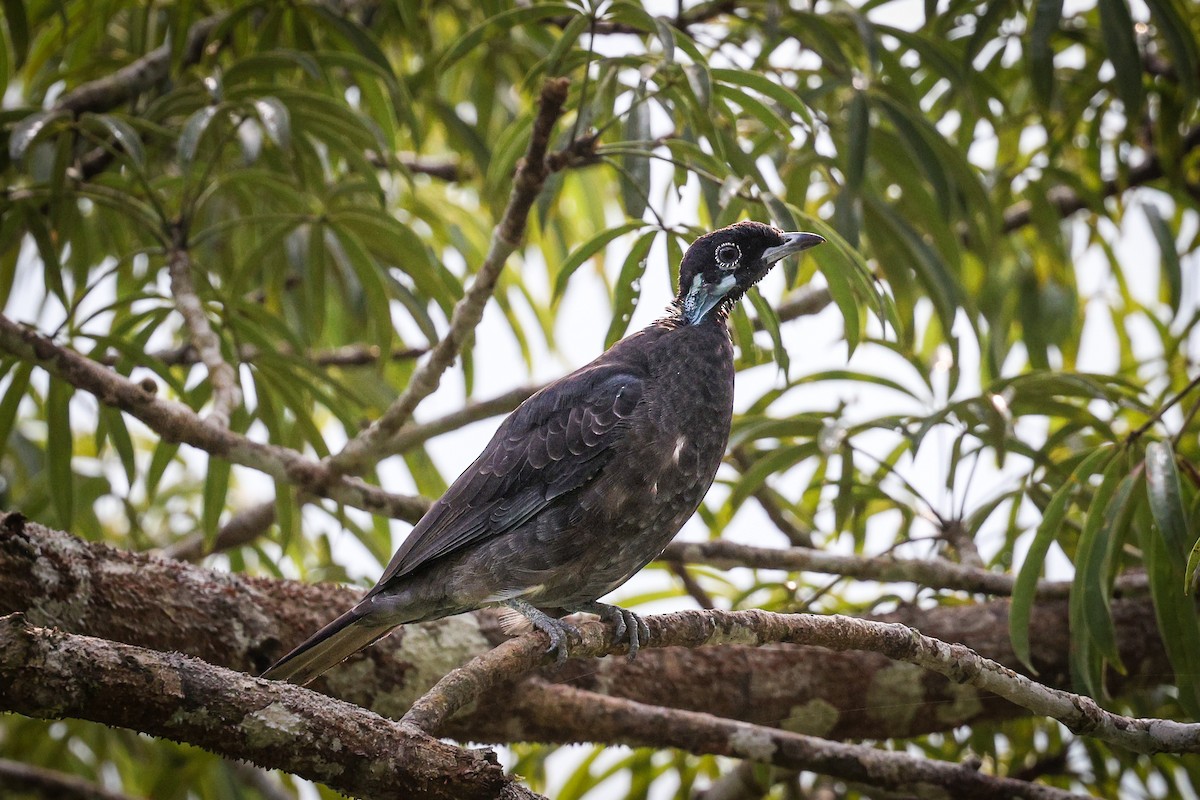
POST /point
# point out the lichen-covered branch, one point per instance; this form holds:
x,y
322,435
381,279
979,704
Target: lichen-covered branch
x,y
898,642
622,721
223,378
51,674
527,184
246,623
176,422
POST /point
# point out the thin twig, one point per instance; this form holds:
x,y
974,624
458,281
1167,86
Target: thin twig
x,y
226,393
475,410
939,573
1137,432
29,781
242,528
530,177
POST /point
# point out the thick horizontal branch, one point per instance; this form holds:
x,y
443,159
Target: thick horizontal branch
x,y
624,722
935,572
50,674
246,623
177,423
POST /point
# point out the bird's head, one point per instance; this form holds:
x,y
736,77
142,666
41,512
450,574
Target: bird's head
x,y
720,266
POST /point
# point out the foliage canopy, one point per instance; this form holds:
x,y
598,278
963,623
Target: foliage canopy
x,y
1010,190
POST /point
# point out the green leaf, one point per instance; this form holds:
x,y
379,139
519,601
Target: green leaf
x,y
586,250
635,183
1046,16
1025,589
1093,637
18,30
17,388
1174,28
164,454
118,435
628,288
1172,270
1120,44
123,134
1166,500
1175,612
60,447
216,488
27,131
1192,574
782,95
193,132
511,18
770,323
275,119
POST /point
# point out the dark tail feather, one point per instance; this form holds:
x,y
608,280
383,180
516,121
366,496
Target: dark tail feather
x,y
329,646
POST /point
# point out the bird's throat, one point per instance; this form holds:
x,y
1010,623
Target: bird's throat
x,y
701,298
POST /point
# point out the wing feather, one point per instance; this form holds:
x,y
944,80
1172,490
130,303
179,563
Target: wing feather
x,y
552,444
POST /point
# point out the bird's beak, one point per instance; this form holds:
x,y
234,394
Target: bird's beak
x,y
792,243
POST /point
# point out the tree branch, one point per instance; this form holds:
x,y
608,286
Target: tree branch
x,y
246,623
531,175
226,394
51,675
939,573
26,780
139,75
755,628
177,423
1067,201
617,720
416,434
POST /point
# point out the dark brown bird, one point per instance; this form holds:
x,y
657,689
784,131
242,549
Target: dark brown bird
x,y
585,482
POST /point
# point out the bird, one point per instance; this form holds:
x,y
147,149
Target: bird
x,y
585,482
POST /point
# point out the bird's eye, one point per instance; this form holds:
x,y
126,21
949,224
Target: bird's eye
x,y
728,255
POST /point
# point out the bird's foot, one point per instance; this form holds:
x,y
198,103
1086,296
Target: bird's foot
x,y
558,631
626,624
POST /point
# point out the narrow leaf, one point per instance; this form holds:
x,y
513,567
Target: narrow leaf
x,y
193,131
1166,500
586,250
59,449
1026,585
1116,26
275,119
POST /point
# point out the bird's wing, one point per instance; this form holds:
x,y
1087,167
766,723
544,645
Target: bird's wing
x,y
553,443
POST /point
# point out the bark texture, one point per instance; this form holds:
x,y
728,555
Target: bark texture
x,y
245,623
50,674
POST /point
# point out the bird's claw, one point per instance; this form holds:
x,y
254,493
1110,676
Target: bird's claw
x,y
627,625
560,633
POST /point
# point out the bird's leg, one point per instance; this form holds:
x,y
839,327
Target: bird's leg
x,y
626,624
558,631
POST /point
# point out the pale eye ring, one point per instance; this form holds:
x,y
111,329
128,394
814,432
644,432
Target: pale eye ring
x,y
728,255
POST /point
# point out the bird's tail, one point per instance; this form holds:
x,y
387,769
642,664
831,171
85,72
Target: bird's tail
x,y
329,646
